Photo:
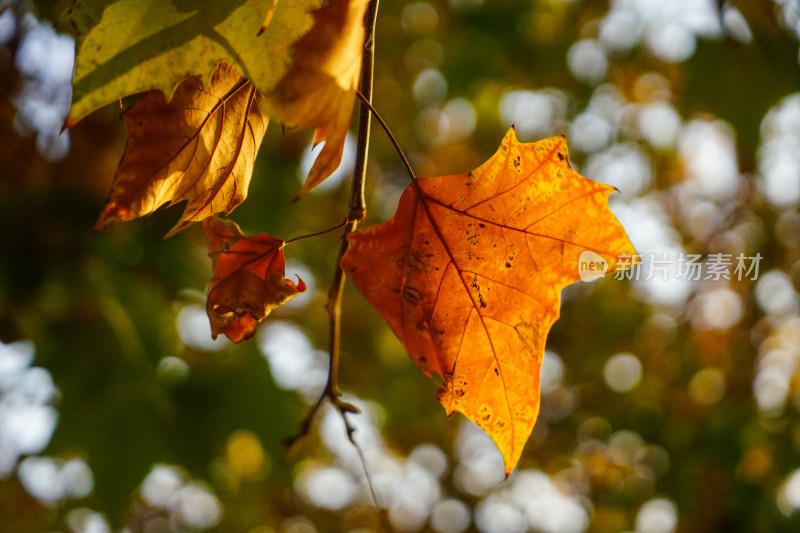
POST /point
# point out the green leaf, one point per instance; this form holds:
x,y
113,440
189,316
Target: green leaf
x,y
128,46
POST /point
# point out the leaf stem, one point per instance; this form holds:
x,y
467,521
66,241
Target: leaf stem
x,y
366,102
316,233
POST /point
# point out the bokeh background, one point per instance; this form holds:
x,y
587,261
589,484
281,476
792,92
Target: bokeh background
x,y
668,405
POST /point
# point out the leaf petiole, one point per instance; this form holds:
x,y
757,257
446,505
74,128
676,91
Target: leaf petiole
x,y
316,233
386,129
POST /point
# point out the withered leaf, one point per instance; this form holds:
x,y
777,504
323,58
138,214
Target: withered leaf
x,y
319,90
247,280
200,147
468,274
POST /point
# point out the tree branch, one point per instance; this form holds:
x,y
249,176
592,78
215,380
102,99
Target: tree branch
x,y
356,213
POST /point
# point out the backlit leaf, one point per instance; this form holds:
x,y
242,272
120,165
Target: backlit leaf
x,y
319,90
247,280
468,273
199,147
126,47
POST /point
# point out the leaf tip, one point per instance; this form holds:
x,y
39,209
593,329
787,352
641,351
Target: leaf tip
x,y
300,286
68,123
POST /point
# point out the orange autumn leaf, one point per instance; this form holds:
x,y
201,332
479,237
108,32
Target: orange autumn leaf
x,y
247,280
200,146
319,90
468,273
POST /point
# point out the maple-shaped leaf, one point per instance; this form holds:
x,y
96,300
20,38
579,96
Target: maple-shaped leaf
x,y
200,147
125,47
319,90
468,274
247,281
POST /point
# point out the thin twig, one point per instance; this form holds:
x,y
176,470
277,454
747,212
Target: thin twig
x,y
316,233
356,213
392,138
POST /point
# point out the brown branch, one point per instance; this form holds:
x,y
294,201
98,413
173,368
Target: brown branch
x,y
356,213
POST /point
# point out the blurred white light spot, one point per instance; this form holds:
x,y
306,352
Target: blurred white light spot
x,y
625,166
328,488
670,28
194,330
27,428
77,478
27,421
290,354
55,146
189,502
620,30
459,116
8,26
658,515
659,124
333,181
408,515
197,507
499,517
15,357
735,24
587,61
789,494
430,457
430,88
160,485
589,132
671,42
83,520
43,52
622,372
45,59
546,508
40,477
778,156
775,293
367,435
654,237
708,150
717,309
533,113
450,516
480,467
35,387
771,388
781,183
551,373
420,485
53,480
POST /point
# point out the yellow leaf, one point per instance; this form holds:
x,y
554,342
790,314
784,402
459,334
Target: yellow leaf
x,y
200,147
469,271
319,89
